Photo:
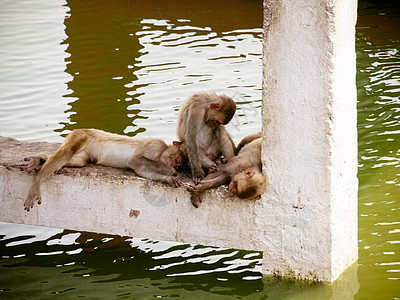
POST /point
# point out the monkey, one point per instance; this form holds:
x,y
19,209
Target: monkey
x,y
148,157
247,139
201,129
243,171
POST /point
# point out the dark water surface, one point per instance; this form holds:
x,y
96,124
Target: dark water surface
x,y
125,67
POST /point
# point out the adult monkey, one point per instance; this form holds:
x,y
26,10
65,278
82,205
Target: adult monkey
x,y
148,157
201,128
243,171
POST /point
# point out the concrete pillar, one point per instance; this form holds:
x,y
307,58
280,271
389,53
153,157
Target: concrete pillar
x,y
310,138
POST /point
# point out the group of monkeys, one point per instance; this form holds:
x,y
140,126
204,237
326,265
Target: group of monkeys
x,y
204,146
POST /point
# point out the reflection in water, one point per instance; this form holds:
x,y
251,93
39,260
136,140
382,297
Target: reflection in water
x,y
101,49
124,265
81,264
132,64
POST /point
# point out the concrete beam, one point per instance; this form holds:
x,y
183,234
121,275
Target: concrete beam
x,y
115,201
310,137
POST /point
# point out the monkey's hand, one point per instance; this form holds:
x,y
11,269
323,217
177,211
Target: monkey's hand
x,y
32,164
198,175
196,199
174,181
197,180
196,194
193,189
213,168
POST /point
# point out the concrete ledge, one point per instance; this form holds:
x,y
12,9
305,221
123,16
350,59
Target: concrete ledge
x,y
115,201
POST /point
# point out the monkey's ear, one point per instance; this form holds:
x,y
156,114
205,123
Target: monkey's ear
x,y
258,197
249,172
177,143
215,106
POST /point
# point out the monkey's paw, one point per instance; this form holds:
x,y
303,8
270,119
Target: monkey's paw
x,y
197,180
196,199
174,182
198,175
30,201
32,163
191,188
213,168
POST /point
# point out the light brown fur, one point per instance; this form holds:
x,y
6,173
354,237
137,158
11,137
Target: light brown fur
x,y
148,157
243,171
201,128
248,139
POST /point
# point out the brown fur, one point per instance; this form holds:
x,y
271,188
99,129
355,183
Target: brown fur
x,y
148,157
248,139
201,128
244,172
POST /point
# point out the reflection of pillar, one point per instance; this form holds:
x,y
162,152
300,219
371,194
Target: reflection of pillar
x,y
344,288
310,138
102,44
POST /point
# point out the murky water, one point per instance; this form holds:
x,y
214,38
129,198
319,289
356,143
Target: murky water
x,y
378,79
125,67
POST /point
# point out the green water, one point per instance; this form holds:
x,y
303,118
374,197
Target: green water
x,y
378,80
126,66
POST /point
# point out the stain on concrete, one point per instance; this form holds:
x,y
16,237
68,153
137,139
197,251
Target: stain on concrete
x,y
134,213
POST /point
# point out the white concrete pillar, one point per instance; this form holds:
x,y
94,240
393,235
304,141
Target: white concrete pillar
x,y
310,138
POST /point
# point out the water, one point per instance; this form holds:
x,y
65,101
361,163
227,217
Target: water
x,y
378,79
125,67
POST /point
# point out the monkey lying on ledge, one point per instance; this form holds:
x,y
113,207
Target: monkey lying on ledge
x,y
243,171
148,157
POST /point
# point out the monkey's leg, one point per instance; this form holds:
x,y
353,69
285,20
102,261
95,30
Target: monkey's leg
x,y
72,144
226,143
80,159
194,157
54,163
154,170
206,162
210,181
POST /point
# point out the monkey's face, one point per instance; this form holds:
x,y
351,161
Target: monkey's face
x,y
220,112
213,123
214,118
248,184
228,108
173,156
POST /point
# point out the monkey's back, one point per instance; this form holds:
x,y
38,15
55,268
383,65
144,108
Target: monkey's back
x,y
192,110
248,157
113,150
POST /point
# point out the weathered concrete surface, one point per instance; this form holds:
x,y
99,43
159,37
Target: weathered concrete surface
x,y
115,201
310,137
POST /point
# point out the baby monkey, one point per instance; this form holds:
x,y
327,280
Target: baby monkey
x,y
149,157
243,171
